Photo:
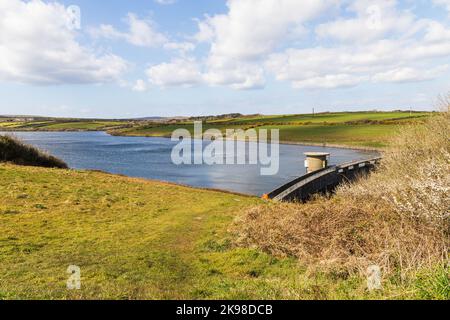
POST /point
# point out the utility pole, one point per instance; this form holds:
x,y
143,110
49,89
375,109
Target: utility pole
x,y
314,112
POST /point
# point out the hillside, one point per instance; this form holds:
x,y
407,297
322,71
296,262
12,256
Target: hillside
x,y
137,239
14,151
371,130
354,129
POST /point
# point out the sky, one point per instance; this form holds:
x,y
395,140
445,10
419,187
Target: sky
x,y
123,59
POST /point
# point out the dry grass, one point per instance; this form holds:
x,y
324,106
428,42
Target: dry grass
x,y
16,152
397,218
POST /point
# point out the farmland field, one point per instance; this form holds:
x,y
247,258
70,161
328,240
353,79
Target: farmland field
x,y
353,129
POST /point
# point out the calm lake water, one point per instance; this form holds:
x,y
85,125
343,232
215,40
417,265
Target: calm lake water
x,y
151,158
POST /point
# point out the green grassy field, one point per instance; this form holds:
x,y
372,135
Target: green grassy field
x,y
137,239
376,136
328,118
61,125
359,129
353,129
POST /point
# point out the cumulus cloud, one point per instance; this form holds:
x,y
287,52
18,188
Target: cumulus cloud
x,y
374,20
140,86
178,72
36,46
252,28
140,32
165,2
182,47
343,66
366,41
247,33
444,3
234,74
403,48
407,74
312,44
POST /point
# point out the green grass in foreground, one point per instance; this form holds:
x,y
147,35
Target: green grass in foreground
x,y
136,239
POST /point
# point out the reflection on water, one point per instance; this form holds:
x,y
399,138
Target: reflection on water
x,y
150,158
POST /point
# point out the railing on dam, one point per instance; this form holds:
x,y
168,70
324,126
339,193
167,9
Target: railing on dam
x,y
321,181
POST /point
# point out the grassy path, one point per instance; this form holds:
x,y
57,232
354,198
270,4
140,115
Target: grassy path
x,y
132,239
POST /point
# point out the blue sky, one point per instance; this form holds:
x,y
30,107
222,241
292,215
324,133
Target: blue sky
x,y
195,57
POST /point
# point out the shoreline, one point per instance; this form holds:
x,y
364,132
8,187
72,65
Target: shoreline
x,y
298,143
170,183
283,142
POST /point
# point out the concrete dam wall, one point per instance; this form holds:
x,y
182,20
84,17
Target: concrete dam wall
x,y
322,181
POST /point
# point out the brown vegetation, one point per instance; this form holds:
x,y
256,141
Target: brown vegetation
x,y
397,218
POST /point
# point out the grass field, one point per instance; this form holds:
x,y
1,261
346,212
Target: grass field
x,y
136,239
328,118
376,136
359,129
61,125
354,129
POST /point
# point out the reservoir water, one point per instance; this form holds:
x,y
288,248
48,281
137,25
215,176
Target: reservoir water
x,y
151,158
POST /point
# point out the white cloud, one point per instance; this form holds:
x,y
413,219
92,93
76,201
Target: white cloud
x,y
165,2
247,33
367,42
403,48
178,72
140,86
408,74
437,32
182,47
140,32
329,81
444,3
36,46
346,65
373,21
253,28
233,73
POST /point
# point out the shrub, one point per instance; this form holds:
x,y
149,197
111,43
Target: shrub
x,y
397,218
16,152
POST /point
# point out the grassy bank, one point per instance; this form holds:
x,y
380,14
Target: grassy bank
x,y
136,239
14,151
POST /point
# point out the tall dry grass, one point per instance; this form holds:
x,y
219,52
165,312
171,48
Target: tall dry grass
x,y
397,218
